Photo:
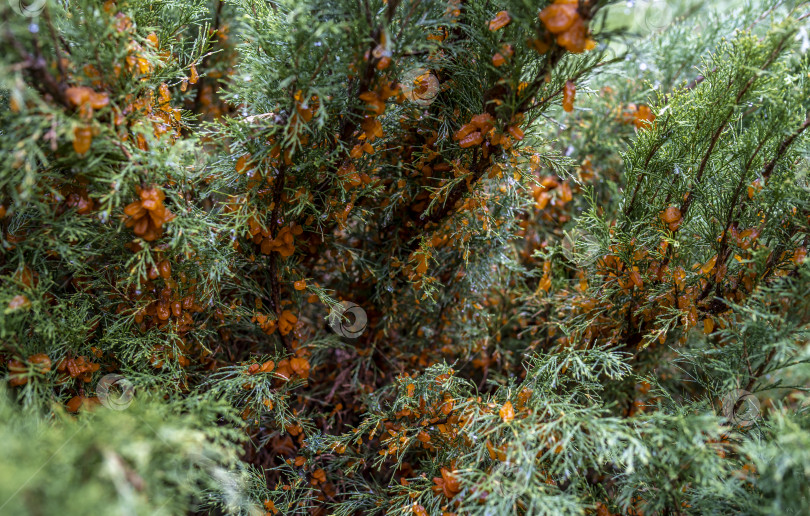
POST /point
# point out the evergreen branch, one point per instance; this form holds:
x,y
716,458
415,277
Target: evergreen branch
x,y
37,67
278,191
785,145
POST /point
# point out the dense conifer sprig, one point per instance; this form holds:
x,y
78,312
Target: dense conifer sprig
x,y
404,257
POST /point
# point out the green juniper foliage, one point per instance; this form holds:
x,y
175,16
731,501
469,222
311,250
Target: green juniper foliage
x,y
404,257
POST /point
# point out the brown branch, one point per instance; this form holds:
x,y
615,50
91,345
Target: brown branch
x,y
650,155
56,46
348,124
716,137
723,253
204,61
37,68
690,86
278,190
760,370
449,205
766,172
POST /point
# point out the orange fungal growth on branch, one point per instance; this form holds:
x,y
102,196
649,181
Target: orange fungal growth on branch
x,y
569,95
356,198
501,20
147,216
563,19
